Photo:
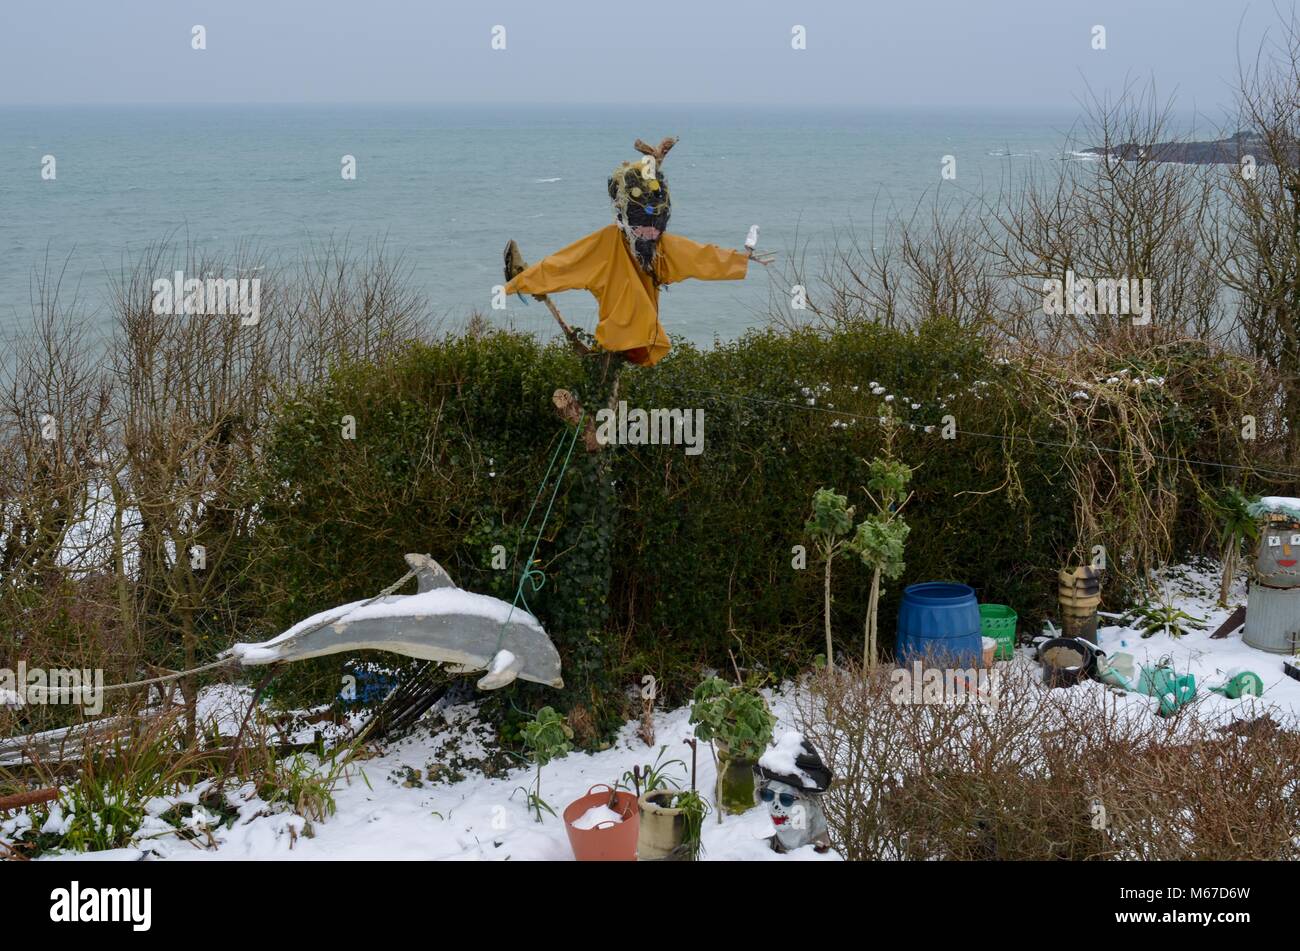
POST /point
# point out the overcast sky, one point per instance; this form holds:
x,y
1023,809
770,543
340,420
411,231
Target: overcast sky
x,y
901,53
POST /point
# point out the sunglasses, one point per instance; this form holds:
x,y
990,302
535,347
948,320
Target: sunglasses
x,y
786,799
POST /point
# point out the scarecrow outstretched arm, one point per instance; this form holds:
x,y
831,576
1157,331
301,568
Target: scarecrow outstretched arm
x,y
575,267
684,258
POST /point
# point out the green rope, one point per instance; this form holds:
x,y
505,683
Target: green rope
x,y
535,576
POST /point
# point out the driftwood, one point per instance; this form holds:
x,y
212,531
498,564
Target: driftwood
x,y
570,411
660,151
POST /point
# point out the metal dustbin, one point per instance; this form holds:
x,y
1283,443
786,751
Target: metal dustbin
x,y
1273,597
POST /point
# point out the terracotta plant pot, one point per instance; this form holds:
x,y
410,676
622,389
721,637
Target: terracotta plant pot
x,y
662,828
607,842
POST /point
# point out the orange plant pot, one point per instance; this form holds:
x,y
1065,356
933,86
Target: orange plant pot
x,y
612,842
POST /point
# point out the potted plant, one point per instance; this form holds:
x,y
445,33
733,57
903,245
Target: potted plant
x,y
671,819
736,720
603,825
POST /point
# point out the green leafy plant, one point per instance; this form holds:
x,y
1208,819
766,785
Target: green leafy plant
x,y
546,736
1164,615
304,783
733,715
654,776
694,811
1236,526
880,537
830,523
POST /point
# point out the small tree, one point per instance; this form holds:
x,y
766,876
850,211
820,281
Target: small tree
x,y
829,526
880,537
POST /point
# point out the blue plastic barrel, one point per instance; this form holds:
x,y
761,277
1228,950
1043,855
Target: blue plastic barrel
x,y
939,623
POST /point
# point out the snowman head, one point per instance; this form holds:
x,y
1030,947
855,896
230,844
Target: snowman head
x,y
785,803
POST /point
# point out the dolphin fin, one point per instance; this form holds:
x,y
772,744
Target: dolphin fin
x,y
503,670
429,575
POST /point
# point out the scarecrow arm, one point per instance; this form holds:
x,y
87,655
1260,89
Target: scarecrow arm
x,y
564,270
684,258
572,268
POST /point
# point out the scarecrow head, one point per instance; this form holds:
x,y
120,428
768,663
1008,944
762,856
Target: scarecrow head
x,y
791,778
642,206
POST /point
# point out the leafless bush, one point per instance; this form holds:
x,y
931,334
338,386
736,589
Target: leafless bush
x,y
125,465
1046,774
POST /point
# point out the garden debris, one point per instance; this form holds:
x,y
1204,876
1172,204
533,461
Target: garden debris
x,y
1235,621
1066,661
1247,683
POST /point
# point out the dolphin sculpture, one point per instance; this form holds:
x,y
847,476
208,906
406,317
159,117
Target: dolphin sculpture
x,y
440,622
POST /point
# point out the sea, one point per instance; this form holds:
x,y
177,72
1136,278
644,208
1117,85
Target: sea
x,y
441,189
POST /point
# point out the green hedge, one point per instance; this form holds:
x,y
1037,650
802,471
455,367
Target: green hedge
x,y
453,438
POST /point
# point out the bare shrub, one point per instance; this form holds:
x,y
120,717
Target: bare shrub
x,y
1045,774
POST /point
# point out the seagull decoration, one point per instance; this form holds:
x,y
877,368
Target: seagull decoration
x,y
440,622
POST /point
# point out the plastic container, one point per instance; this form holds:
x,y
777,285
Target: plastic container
x,y
609,841
1066,661
998,621
939,623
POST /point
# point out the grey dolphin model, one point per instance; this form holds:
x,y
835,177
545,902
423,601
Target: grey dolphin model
x,y
440,622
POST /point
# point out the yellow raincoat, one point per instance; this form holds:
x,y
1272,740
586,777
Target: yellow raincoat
x,y
629,300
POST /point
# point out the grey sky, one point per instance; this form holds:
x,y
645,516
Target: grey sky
x,y
904,53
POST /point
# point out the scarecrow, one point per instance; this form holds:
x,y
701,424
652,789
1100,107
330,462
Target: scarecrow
x,y
624,264
791,779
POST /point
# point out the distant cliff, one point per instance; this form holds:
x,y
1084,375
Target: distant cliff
x,y
1218,152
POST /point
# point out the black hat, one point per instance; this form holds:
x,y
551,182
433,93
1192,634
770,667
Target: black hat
x,y
809,771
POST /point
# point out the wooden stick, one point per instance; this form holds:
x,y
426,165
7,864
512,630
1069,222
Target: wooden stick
x,y
36,796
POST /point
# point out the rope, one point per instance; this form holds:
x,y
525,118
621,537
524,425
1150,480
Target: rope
x,y
532,575
227,662
234,661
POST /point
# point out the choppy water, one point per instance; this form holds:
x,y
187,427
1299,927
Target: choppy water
x,y
445,188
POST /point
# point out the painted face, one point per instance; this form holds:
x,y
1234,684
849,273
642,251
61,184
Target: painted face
x,y
642,208
1278,562
796,816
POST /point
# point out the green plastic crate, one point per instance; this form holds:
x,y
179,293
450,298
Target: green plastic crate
x,y
999,622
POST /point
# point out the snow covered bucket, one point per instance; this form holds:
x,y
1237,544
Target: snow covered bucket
x,y
599,831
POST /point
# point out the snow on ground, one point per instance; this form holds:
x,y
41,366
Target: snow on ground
x,y
1195,590
443,793
383,814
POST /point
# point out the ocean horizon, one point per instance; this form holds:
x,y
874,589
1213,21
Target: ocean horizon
x,y
442,188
